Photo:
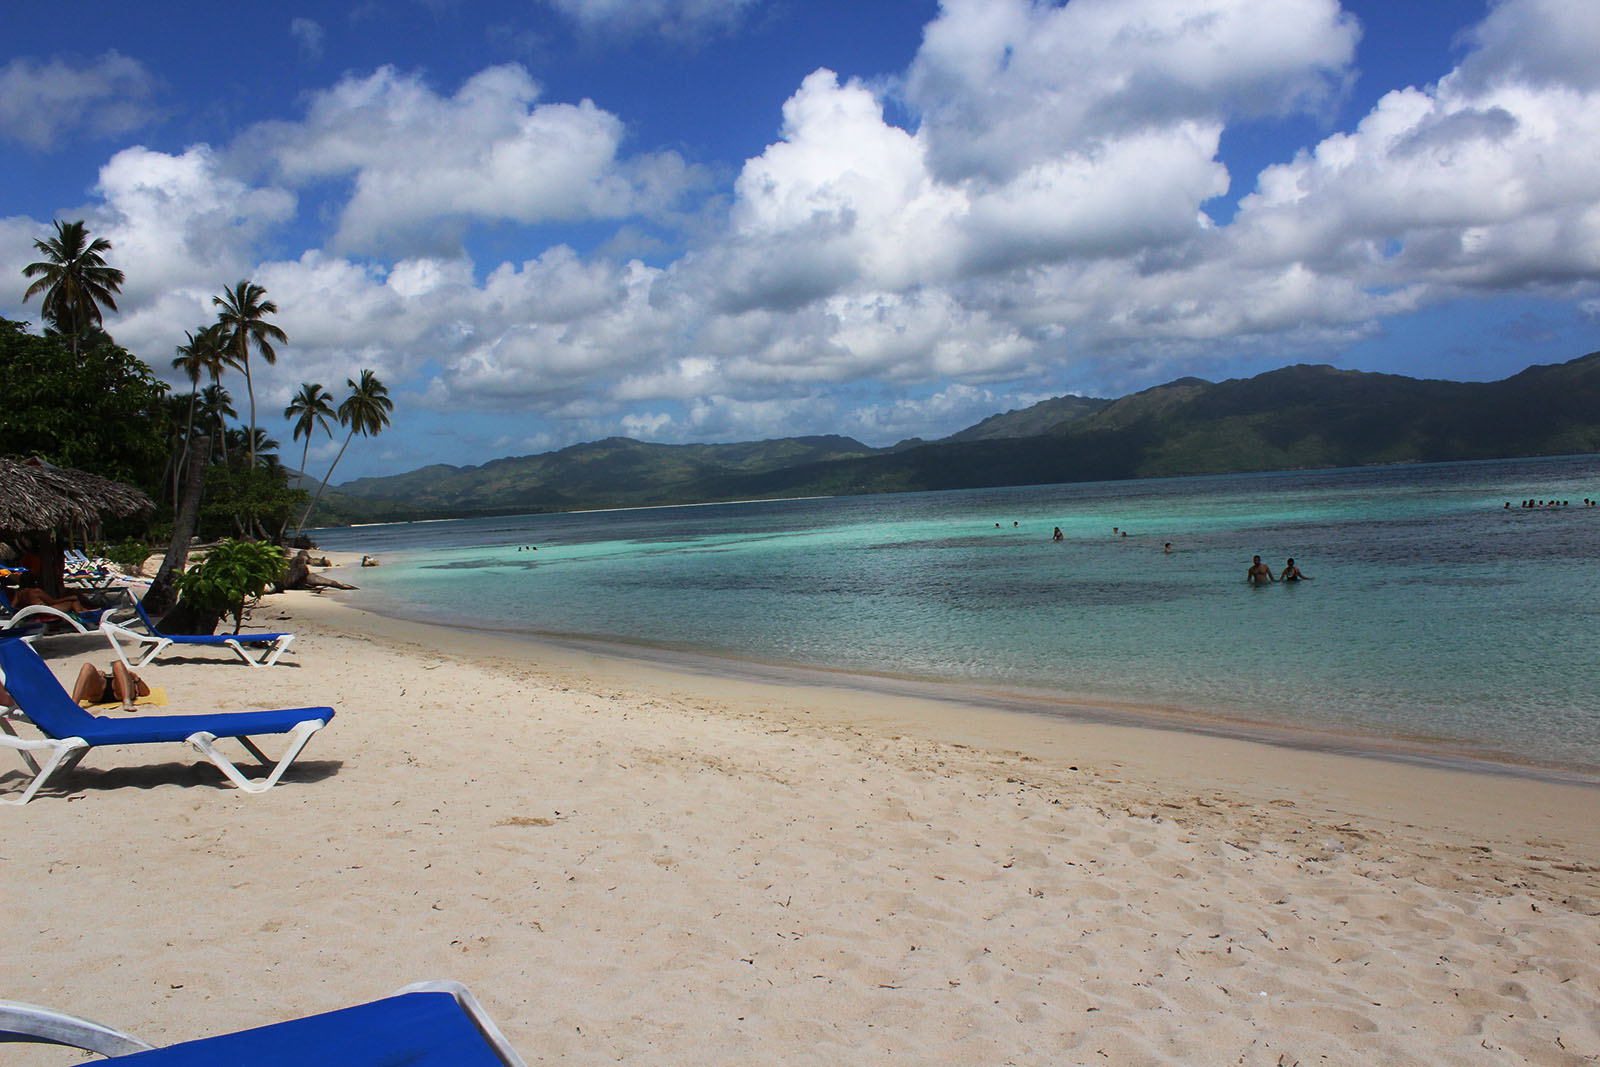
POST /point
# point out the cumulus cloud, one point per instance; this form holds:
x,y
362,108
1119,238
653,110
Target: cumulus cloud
x,y
1005,85
1483,181
932,416
180,219
677,19
861,251
1046,133
1539,43
180,229
43,100
1039,222
419,161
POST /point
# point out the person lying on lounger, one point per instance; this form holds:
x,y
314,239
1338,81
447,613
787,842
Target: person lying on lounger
x,y
27,598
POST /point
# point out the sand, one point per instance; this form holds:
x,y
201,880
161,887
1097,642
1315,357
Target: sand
x,y
631,862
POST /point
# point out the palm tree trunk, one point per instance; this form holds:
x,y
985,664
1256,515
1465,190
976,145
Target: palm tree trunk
x,y
249,388
305,456
183,457
159,599
347,439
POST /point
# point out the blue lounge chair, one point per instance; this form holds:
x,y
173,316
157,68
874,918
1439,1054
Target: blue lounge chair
x,y
271,645
70,731
430,1024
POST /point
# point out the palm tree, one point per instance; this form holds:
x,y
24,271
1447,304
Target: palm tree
x,y
256,442
216,405
74,279
199,354
190,359
365,411
243,320
178,414
311,407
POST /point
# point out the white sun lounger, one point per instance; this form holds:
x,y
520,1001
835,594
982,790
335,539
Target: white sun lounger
x,y
269,646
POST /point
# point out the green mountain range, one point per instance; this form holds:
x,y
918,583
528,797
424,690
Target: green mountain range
x,y
1297,417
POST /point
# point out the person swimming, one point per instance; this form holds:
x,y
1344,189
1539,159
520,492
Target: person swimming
x,y
1259,573
1291,573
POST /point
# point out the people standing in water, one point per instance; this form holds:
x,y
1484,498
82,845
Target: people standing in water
x,y
1291,573
1259,573
1058,535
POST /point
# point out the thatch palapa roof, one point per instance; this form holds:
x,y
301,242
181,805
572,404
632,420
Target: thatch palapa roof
x,y
36,497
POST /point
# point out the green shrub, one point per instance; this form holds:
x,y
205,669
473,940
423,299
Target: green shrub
x,y
231,573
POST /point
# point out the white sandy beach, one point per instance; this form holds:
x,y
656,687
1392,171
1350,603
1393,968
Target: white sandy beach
x,y
628,862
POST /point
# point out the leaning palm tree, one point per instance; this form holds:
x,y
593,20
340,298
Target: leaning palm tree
x,y
312,407
243,319
74,279
365,411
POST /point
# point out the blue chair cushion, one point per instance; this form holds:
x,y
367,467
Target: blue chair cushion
x,y
409,1030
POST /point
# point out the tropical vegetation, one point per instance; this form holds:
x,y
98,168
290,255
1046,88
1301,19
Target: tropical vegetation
x,y
243,325
75,398
364,411
231,574
75,280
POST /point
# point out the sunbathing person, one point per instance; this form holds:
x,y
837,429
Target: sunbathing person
x,y
121,686
29,597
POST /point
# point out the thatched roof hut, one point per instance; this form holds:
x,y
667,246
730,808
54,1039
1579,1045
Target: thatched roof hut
x,y
38,498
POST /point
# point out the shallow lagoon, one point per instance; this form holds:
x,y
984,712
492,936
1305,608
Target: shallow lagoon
x,y
1436,617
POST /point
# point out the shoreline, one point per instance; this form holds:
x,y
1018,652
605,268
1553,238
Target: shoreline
x,y
628,861
1501,798
1400,749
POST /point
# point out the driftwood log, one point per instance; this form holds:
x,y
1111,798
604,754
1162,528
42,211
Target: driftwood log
x,y
300,575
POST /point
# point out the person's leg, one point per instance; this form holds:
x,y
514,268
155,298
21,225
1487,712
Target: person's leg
x,y
90,686
122,684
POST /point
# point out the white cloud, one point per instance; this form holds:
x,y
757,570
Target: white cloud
x,y
179,221
43,101
1004,85
1039,224
731,417
1047,134
1540,43
937,415
645,425
1483,181
422,164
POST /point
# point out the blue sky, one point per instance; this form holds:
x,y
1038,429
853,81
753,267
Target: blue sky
x,y
550,221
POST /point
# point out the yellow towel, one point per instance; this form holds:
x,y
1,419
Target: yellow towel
x,y
157,698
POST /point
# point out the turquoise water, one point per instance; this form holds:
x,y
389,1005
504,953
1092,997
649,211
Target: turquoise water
x,y
1436,618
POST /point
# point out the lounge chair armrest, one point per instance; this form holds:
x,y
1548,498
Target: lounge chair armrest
x,y
107,626
29,1022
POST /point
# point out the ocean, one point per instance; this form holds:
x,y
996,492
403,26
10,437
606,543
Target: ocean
x,y
1437,625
